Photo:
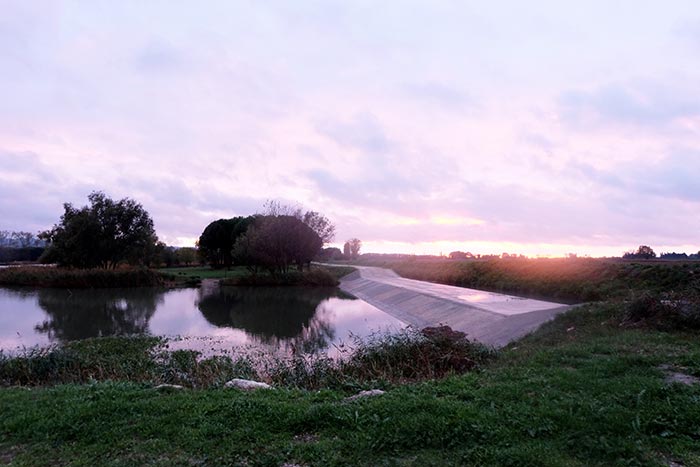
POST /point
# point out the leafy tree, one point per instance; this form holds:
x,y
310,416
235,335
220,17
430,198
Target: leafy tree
x,y
185,255
217,240
346,250
102,234
330,254
354,244
316,221
277,243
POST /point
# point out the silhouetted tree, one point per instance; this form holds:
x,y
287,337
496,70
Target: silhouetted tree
x,y
102,234
315,220
643,252
355,245
330,254
346,250
216,242
460,255
276,243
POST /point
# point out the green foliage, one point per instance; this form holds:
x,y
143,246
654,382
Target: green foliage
x,y
276,243
79,278
216,242
664,311
320,277
103,234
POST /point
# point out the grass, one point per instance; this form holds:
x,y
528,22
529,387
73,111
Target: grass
x,y
205,272
240,275
585,389
34,276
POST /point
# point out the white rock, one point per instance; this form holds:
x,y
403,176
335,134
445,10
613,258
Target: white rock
x,y
168,387
246,384
363,394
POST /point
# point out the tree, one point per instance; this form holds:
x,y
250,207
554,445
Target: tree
x,y
346,250
315,220
102,234
185,255
217,240
330,254
643,252
276,243
354,245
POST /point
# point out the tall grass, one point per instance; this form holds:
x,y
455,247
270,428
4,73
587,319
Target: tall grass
x,y
316,276
79,278
382,359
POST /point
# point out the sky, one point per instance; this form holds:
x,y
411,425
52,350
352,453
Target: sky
x,y
541,127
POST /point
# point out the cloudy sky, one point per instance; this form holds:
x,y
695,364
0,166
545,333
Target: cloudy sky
x,y
540,127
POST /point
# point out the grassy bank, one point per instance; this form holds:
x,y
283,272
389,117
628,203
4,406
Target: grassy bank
x,y
593,387
576,279
316,276
240,275
78,278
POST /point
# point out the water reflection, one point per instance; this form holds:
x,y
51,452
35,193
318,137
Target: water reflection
x,y
278,316
98,312
209,319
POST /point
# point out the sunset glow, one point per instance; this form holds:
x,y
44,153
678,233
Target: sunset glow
x,y
541,129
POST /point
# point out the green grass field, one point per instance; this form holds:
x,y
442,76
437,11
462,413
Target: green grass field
x,y
583,390
205,272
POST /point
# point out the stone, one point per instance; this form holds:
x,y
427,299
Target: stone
x,y
365,394
246,384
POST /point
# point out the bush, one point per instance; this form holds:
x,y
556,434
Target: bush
x,y
79,278
673,310
315,277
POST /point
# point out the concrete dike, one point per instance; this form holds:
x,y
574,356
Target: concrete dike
x,y
491,318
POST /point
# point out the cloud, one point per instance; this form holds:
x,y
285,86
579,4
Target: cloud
x,y
640,103
362,132
158,56
441,95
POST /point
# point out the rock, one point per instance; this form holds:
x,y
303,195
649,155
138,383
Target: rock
x,y
246,384
365,394
168,387
672,375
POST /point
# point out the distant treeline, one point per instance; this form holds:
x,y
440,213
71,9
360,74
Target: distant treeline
x,y
11,239
13,255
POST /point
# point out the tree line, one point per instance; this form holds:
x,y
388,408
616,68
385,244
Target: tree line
x,y
105,233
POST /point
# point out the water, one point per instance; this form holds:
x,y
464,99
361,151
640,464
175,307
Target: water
x,y
211,318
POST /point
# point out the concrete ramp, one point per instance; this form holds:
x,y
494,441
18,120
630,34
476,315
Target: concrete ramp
x,y
491,318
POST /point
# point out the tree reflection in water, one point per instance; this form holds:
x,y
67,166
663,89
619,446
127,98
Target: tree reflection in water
x,y
284,317
97,312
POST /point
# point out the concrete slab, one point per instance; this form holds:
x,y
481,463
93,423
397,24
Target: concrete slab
x,y
492,318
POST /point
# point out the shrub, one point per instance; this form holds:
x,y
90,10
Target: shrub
x,y
79,278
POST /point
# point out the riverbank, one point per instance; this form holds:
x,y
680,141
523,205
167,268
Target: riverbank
x,y
37,276
240,275
592,387
68,278
574,280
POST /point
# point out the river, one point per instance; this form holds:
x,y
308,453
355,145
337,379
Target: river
x,y
211,319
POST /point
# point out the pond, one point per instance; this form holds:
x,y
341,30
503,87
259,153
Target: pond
x,y
211,318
